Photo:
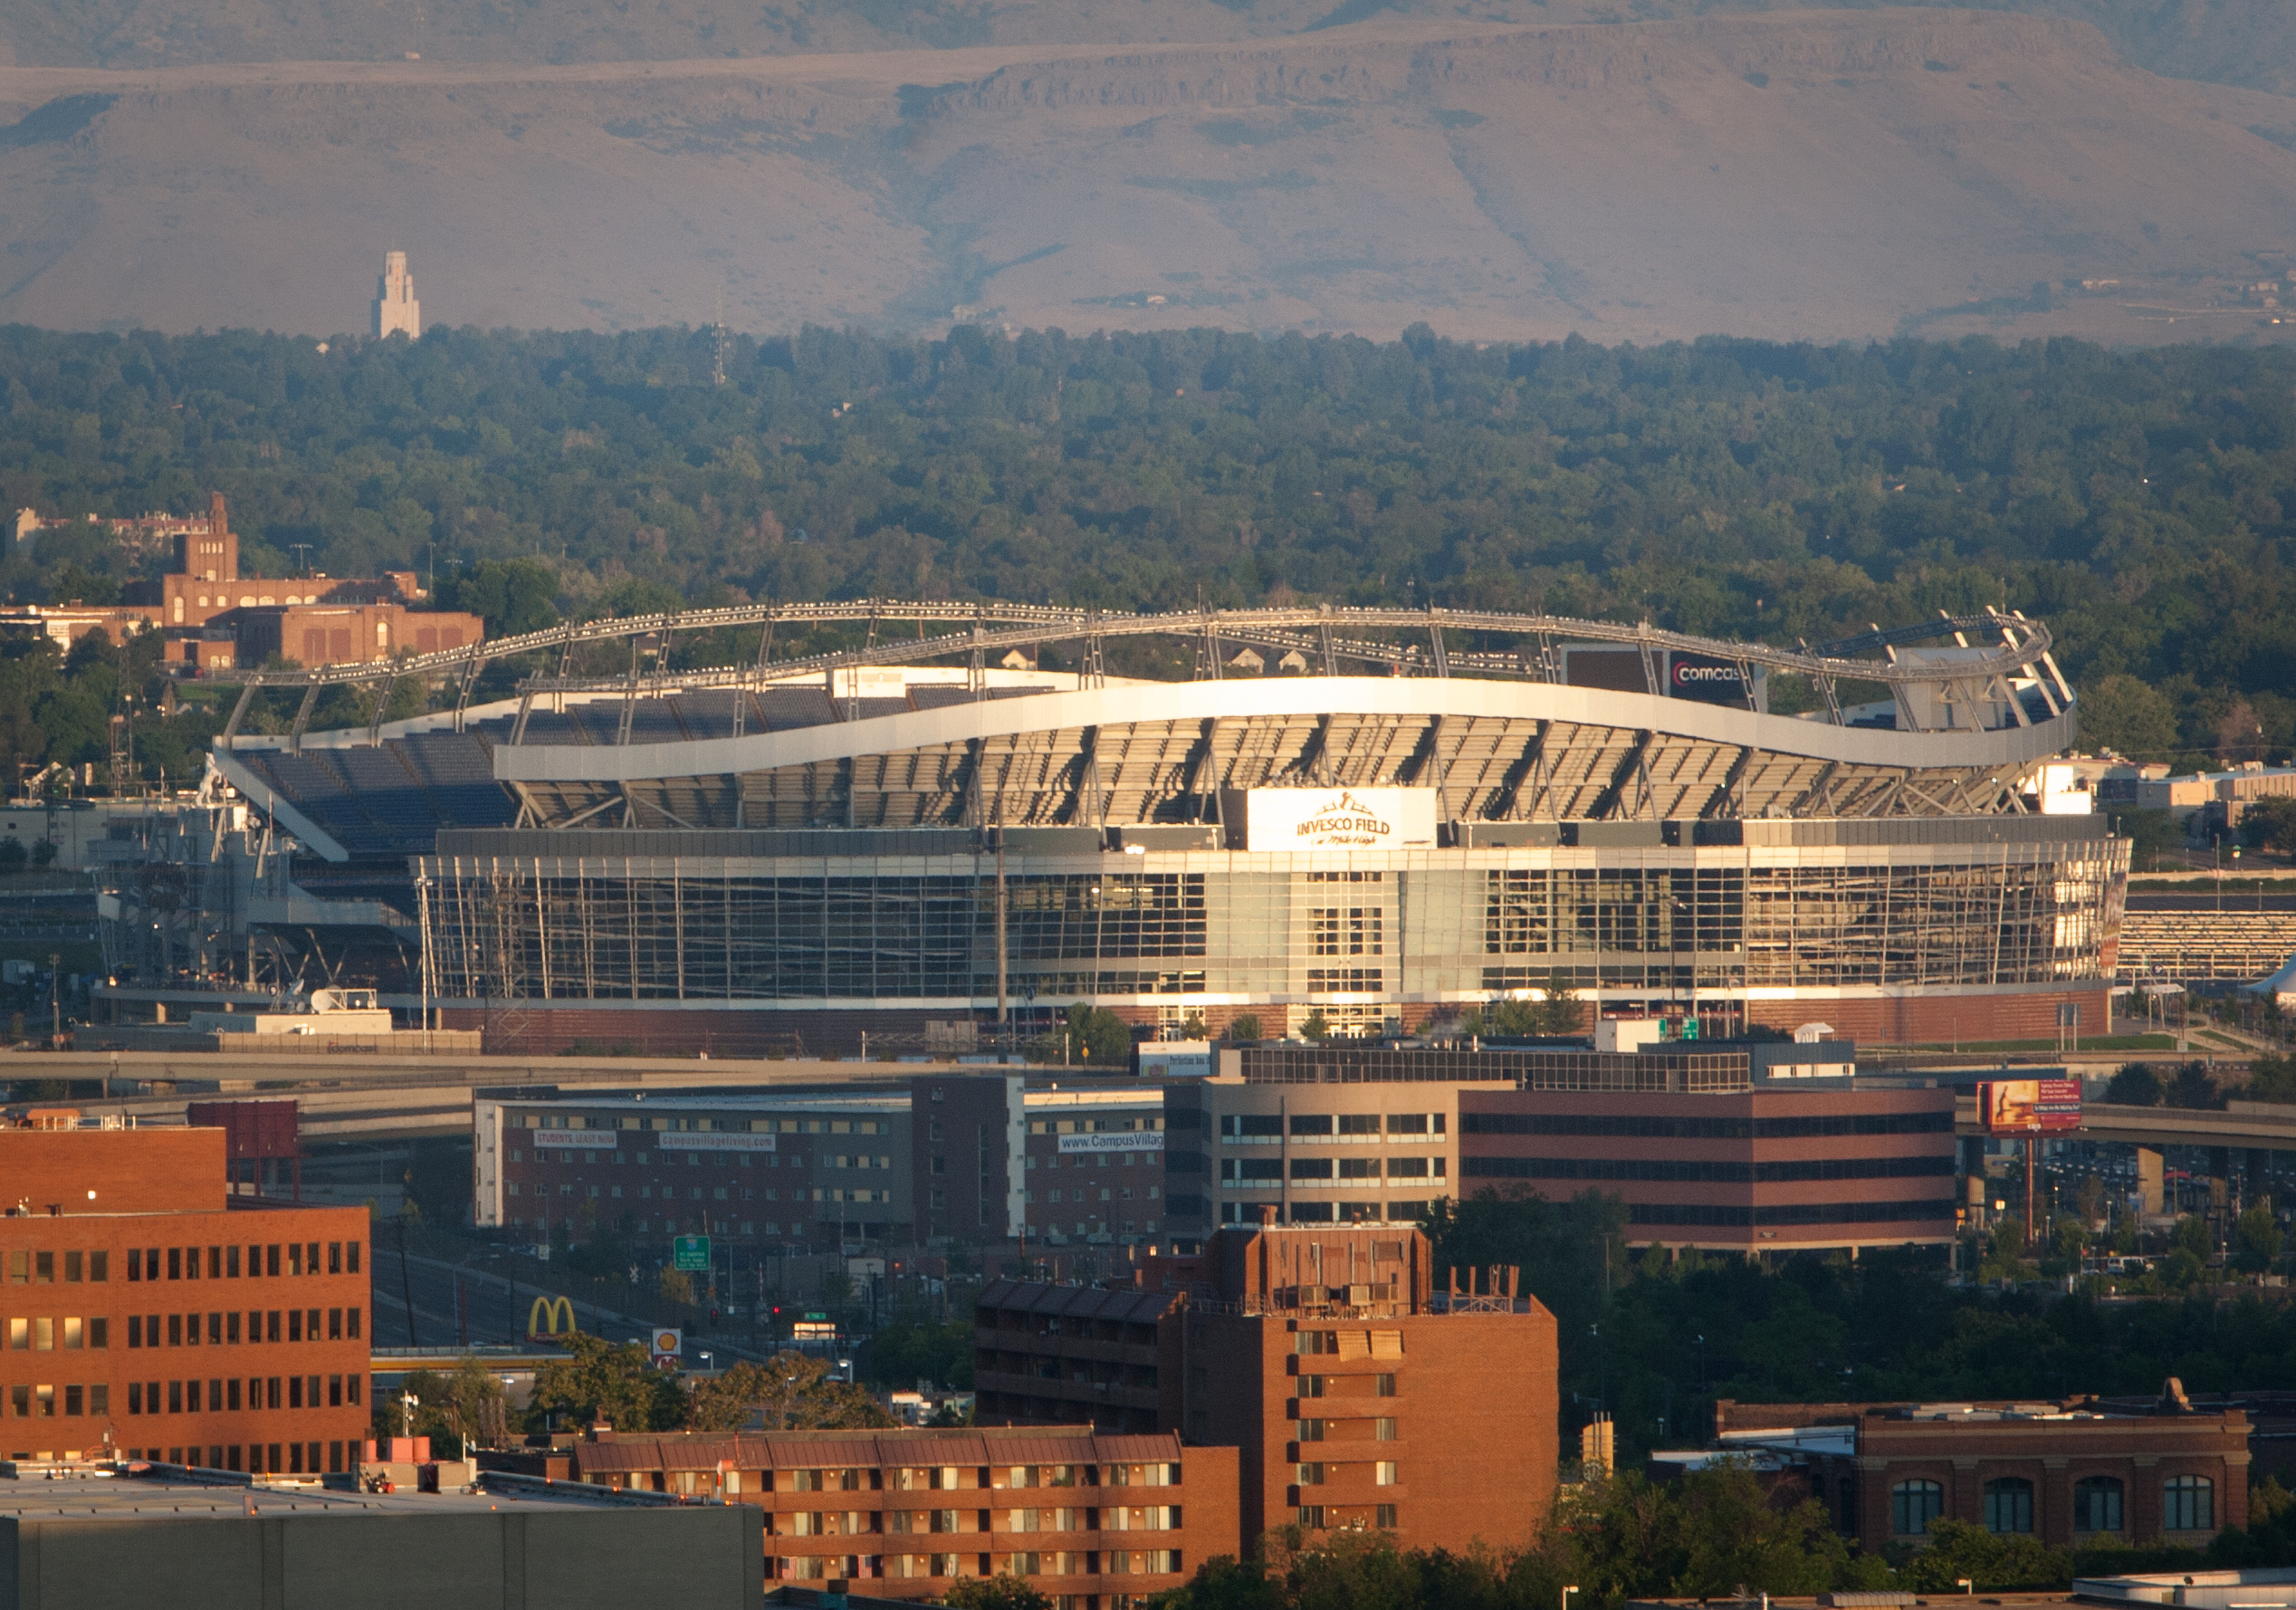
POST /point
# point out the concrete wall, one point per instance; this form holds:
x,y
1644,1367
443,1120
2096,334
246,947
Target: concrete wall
x,y
520,1556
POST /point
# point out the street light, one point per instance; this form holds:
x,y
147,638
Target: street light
x,y
1566,1595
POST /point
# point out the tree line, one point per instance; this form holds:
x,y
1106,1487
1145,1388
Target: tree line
x,y
2139,502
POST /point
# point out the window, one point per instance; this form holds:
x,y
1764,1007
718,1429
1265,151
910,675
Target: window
x,y
1383,1429
2009,1505
2188,1504
1385,1517
2096,1504
44,1268
1384,1473
1913,1505
1311,1474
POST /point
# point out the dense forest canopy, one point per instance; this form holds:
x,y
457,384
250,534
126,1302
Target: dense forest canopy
x,y
2138,501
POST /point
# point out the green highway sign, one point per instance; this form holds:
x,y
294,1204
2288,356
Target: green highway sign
x,y
690,1252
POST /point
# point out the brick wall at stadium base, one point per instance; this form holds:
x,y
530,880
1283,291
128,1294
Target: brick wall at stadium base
x,y
546,1029
1943,1020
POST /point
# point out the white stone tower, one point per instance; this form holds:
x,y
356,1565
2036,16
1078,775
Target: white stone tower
x,y
395,310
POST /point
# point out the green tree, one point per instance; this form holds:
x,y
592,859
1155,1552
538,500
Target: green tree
x,y
1313,1026
2194,1088
995,1592
598,1382
512,596
1993,1562
2270,823
788,1392
2136,1085
458,1410
1244,1026
2121,713
1095,1034
2257,1239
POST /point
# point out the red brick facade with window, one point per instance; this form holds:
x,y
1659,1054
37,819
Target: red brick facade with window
x,y
143,1317
1096,1522
2071,1475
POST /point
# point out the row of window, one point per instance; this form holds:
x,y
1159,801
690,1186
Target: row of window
x,y
1653,1170
522,1120
721,1193
223,1395
1117,1562
1247,1171
1247,1126
1310,1213
291,1459
1316,1473
1316,1516
263,1261
1314,1431
1806,1212
2188,1504
222,1328
46,1335
713,1159
952,1477
1083,1193
1664,1128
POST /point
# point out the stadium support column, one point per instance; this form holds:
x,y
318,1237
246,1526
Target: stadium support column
x,y
1004,1001
2149,1181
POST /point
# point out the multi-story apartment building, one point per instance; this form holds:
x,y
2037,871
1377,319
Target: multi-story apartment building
x,y
970,1157
1095,1521
765,1168
1357,1395
1095,1162
145,1320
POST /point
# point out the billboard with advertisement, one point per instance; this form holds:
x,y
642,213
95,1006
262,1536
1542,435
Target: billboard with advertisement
x,y
1277,818
667,1346
2029,1107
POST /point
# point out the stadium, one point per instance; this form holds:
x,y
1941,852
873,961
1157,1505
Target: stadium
x,y
1373,816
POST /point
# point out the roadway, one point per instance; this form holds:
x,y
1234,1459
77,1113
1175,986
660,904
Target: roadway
x,y
2241,1125
474,1304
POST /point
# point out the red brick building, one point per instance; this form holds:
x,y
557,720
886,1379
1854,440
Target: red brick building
x,y
1098,1522
1357,1397
144,1317
2066,1473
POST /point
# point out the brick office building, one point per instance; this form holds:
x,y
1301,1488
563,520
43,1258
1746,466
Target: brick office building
x,y
1708,1147
145,1320
1096,1521
1357,1397
1755,1169
2066,1473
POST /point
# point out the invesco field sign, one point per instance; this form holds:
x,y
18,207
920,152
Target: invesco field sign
x,y
1278,819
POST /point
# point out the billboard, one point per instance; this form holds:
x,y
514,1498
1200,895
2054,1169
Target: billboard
x,y
1278,818
667,1346
1707,680
2029,1107
1141,1140
1174,1058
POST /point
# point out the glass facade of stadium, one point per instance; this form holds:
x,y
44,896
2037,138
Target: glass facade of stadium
x,y
1736,915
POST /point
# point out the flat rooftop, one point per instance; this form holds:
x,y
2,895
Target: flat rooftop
x,y
128,1492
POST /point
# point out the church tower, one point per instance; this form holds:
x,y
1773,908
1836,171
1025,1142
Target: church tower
x,y
395,310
